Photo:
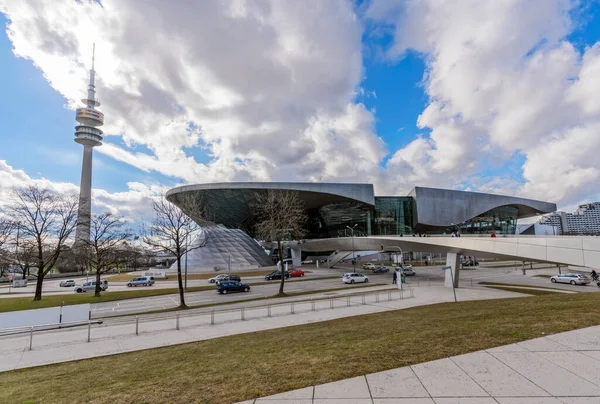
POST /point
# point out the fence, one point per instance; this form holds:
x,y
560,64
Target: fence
x,y
200,317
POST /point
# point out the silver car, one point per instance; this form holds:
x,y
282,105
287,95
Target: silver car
x,y
91,286
67,283
573,279
141,281
218,278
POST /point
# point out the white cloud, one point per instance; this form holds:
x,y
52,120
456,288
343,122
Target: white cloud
x,y
264,86
133,204
501,79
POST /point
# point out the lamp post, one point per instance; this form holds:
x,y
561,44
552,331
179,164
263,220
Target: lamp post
x,y
353,258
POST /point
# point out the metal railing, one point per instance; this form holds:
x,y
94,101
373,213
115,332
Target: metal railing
x,y
31,329
244,312
211,316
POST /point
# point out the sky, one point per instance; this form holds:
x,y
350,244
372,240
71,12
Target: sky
x,y
499,97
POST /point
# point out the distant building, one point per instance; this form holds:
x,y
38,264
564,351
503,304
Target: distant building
x,y
585,220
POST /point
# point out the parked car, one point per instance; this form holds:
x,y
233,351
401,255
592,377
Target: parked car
x,y
573,279
91,286
276,275
381,269
296,272
408,272
141,281
225,287
369,265
353,277
218,278
67,283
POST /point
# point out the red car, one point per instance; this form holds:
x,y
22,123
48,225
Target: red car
x,y
296,272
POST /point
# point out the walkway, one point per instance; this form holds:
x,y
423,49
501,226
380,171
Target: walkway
x,y
557,369
118,335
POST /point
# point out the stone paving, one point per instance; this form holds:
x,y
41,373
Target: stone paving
x,y
557,369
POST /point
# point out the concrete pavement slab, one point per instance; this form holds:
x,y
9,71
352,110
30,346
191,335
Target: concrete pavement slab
x,y
578,340
291,401
443,378
355,387
343,401
579,400
495,377
401,382
543,345
403,401
591,354
465,400
300,394
582,365
528,400
547,374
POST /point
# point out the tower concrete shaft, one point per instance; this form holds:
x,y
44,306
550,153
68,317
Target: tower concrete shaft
x,y
88,135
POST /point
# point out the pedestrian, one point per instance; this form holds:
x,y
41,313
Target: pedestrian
x,y
395,278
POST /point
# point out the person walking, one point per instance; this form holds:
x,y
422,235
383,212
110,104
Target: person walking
x,y
395,278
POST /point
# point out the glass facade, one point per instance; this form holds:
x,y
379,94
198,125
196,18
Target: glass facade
x,y
393,216
501,220
333,220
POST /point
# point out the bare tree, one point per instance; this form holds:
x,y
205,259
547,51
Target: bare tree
x,y
279,215
6,232
44,221
107,235
173,225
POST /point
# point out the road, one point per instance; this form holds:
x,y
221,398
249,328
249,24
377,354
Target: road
x,y
141,305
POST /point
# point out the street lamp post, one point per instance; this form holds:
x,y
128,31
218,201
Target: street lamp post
x,y
353,258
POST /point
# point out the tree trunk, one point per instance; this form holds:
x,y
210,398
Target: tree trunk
x,y
97,289
280,250
38,285
180,280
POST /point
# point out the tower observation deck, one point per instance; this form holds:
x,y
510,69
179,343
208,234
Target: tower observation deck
x,y
88,135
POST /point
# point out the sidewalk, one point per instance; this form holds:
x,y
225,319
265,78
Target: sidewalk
x,y
558,369
71,344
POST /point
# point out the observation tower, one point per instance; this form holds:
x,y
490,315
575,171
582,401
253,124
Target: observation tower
x,y
88,135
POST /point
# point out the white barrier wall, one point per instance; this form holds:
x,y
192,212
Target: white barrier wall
x,y
50,315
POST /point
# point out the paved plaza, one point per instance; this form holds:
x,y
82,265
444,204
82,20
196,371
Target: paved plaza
x,y
557,369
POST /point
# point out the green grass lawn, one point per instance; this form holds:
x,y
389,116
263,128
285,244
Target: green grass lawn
x,y
533,292
514,284
246,366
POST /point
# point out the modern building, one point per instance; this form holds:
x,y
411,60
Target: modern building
x,y
585,220
343,210
88,135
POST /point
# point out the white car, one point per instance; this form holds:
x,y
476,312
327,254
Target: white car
x,y
369,265
90,286
573,279
67,283
353,277
307,262
406,266
408,271
141,281
217,278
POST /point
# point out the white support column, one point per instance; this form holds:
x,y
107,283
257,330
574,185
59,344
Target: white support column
x,y
296,255
452,260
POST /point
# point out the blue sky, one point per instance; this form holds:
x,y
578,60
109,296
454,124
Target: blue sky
x,y
460,145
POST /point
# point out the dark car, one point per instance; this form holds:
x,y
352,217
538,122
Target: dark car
x,y
228,278
381,269
276,275
228,287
